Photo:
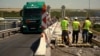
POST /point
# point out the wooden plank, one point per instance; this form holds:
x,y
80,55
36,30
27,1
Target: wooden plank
x,y
61,45
96,41
81,45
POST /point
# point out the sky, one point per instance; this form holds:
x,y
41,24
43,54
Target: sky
x,y
54,4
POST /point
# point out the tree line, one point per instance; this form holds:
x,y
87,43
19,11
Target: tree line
x,y
9,14
71,13
53,13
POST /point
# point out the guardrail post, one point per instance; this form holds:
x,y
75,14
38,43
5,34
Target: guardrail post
x,y
8,33
3,35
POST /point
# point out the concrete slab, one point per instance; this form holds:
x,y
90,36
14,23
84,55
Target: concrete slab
x,y
81,45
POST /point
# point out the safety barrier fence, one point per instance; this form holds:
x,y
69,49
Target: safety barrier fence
x,y
8,32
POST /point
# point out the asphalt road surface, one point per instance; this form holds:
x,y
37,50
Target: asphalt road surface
x,y
19,45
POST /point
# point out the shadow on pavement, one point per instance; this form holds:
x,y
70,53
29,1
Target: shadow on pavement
x,y
35,46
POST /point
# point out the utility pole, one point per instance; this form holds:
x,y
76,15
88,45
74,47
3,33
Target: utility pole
x,y
89,9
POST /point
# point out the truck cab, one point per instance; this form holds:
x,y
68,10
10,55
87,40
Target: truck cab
x,y
32,17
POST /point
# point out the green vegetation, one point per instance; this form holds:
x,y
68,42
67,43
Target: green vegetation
x,y
54,12
74,13
9,14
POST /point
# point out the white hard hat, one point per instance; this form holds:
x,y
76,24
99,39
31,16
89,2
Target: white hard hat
x,y
76,17
66,17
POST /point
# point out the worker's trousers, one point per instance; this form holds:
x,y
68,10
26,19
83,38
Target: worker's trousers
x,y
90,35
64,36
85,35
75,36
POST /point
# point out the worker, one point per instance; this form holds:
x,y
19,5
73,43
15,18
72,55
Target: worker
x,y
76,30
90,35
64,27
86,27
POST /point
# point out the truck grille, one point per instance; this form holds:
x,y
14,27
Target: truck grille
x,y
33,25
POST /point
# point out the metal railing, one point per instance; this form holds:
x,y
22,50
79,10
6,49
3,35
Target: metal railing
x,y
9,23
8,32
8,27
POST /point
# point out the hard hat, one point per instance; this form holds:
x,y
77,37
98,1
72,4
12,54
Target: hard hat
x,y
76,17
66,17
19,21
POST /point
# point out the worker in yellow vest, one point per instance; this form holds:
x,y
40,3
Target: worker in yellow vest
x,y
64,27
76,30
86,27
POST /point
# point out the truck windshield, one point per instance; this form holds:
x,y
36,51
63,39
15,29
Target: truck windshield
x,y
32,12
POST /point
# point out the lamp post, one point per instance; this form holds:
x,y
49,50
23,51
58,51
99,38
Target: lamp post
x,y
63,11
49,9
89,9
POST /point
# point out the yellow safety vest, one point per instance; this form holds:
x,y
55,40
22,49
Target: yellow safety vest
x,y
87,24
64,25
75,25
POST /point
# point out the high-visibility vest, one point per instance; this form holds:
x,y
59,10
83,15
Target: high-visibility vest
x,y
87,24
64,25
75,25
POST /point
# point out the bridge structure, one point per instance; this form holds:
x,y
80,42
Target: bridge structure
x,y
14,43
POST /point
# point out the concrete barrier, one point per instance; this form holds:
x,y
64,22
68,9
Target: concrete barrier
x,y
44,46
7,32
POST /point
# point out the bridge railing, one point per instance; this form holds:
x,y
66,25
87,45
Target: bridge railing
x,y
9,23
8,32
45,40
